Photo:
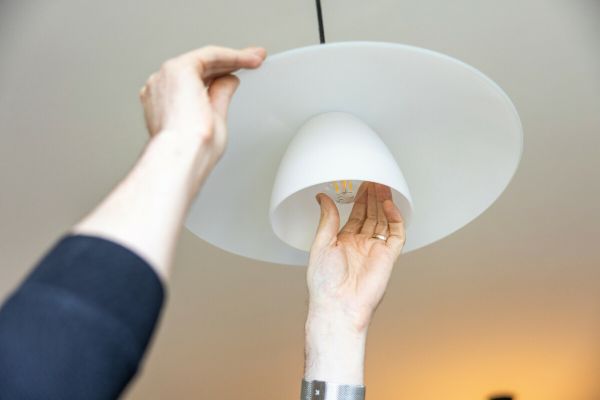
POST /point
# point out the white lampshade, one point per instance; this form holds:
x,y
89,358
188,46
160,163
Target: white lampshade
x,y
332,153
441,134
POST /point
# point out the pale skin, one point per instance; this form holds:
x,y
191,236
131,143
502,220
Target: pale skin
x,y
185,106
347,276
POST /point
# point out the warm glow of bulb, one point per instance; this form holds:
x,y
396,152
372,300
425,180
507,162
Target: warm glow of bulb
x,y
343,191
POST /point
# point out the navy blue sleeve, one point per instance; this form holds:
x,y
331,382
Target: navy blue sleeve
x,y
79,324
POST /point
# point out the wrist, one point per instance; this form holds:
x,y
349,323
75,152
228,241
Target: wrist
x,y
184,158
146,210
334,350
354,316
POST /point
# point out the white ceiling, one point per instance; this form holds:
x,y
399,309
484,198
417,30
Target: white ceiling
x,y
509,303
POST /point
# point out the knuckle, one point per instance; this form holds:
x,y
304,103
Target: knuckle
x,y
381,226
214,49
152,79
371,220
207,138
170,65
207,134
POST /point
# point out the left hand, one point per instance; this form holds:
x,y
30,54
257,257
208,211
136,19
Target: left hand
x,y
348,271
347,275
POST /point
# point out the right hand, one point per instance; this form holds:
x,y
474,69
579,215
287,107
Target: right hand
x,y
189,96
347,275
349,270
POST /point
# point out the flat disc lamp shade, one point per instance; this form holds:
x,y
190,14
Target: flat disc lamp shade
x,y
444,137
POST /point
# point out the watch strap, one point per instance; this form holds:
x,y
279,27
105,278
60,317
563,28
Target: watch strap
x,y
319,390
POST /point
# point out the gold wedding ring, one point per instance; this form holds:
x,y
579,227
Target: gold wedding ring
x,y
380,237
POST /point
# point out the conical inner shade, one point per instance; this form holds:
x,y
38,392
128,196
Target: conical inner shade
x,y
333,153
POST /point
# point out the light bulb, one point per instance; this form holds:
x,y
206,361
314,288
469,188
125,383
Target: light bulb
x,y
343,191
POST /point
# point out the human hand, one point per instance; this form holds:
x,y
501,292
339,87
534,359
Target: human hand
x,y
185,106
347,276
349,271
189,96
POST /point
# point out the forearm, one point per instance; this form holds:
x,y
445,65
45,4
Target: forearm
x,y
185,107
334,350
79,325
146,210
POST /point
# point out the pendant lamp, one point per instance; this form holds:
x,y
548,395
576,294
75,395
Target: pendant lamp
x,y
443,136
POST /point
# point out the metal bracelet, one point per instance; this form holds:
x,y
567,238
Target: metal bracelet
x,y
319,390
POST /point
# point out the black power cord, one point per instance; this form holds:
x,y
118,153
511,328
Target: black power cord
x,y
320,17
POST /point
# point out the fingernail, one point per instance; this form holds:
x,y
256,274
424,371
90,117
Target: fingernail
x,y
256,50
318,198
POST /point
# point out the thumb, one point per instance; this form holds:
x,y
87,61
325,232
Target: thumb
x,y
329,224
220,92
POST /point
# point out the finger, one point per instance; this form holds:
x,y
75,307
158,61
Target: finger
x,y
397,235
368,227
259,51
359,211
220,93
227,68
329,223
382,193
214,61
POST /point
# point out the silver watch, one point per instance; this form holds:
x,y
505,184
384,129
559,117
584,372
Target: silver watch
x,y
318,390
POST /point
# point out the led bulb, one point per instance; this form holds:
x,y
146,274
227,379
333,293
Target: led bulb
x,y
343,191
